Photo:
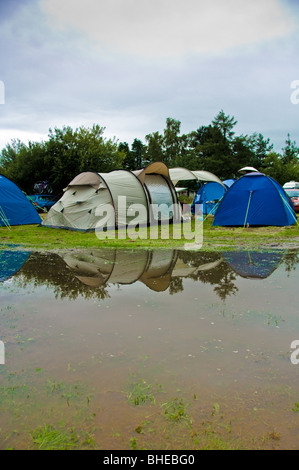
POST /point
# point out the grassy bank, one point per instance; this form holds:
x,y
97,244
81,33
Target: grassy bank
x,y
39,237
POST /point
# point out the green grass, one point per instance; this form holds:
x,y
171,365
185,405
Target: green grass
x,y
140,392
50,438
39,237
175,411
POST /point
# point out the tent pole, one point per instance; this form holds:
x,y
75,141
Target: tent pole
x,y
247,209
4,218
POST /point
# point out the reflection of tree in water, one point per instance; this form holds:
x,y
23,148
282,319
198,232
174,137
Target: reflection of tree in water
x,y
221,276
226,286
290,260
212,268
176,285
49,269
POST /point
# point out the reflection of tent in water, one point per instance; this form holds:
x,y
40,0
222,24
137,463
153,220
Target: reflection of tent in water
x,y
155,269
254,264
11,262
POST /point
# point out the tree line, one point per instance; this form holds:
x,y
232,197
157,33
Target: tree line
x,y
214,147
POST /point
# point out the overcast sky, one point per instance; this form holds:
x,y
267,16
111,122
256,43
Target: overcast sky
x,y
127,65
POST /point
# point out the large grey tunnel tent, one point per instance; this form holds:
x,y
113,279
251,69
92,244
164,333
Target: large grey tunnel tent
x,y
88,195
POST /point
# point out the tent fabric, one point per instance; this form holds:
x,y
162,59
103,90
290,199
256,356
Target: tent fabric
x,y
158,168
247,169
160,191
228,183
86,198
76,208
124,183
161,197
209,195
15,208
86,178
183,174
255,200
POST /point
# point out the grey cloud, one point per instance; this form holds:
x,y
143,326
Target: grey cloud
x,y
59,77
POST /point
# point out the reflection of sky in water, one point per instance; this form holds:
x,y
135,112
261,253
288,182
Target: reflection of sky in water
x,y
218,325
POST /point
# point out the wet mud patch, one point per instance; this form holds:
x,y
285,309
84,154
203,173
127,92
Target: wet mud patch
x,y
149,349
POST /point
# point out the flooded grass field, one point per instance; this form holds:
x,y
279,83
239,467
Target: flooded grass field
x,y
144,349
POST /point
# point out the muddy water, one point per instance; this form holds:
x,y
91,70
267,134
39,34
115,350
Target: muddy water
x,y
149,350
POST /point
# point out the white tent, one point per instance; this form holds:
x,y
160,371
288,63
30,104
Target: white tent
x,y
183,174
247,169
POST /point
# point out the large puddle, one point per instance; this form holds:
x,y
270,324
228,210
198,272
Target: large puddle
x,y
149,350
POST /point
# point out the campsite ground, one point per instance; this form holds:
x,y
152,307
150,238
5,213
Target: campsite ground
x,y
224,381
214,238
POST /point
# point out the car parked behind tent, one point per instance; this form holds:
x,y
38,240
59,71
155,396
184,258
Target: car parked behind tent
x,y
293,194
42,202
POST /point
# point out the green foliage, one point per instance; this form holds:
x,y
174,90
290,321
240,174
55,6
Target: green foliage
x,y
155,147
214,147
58,160
225,125
134,158
213,151
290,152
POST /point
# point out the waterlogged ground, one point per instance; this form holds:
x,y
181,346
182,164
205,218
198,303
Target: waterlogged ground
x,y
149,350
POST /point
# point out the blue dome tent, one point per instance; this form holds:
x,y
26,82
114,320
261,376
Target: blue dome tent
x,y
228,182
209,196
255,199
15,209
